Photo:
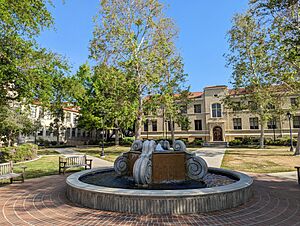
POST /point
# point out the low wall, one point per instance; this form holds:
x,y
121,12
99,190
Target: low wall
x,y
183,201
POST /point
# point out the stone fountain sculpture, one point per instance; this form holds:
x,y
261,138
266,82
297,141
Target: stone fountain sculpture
x,y
148,162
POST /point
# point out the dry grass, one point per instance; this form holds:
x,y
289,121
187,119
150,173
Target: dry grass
x,y
260,160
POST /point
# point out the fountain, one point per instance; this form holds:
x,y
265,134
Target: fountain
x,y
153,178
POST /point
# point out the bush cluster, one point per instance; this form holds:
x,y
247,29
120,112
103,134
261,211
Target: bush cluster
x,y
284,141
127,141
18,153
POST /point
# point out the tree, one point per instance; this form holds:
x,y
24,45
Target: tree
x,y
63,94
130,37
14,121
281,19
250,62
108,100
173,95
25,68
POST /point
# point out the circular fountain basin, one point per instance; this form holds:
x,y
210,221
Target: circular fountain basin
x,y
160,201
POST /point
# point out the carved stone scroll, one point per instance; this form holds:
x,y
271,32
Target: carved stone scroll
x,y
179,146
196,168
121,165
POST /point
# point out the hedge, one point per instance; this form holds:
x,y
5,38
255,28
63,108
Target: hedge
x,y
19,153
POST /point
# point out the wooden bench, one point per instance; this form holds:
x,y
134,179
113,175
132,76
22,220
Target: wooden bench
x,y
298,173
73,161
6,172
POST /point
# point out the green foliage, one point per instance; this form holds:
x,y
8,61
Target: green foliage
x,y
136,42
235,143
107,100
25,68
14,121
127,140
18,153
198,142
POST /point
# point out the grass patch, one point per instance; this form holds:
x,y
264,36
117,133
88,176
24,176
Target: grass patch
x,y
45,166
47,152
111,153
260,160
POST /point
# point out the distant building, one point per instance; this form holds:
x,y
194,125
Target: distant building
x,y
70,133
212,122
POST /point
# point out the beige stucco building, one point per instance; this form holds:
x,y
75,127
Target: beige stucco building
x,y
211,121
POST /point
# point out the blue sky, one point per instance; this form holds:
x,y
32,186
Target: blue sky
x,y
202,39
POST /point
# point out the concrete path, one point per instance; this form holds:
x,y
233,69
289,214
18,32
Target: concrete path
x,y
213,156
97,162
285,175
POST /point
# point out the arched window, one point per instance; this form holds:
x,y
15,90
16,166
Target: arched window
x,y
216,110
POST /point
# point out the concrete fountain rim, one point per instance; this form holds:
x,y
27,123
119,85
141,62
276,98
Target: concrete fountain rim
x,y
243,181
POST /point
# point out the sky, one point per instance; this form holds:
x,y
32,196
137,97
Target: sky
x,y
202,39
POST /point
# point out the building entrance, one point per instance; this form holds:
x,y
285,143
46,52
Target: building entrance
x,y
217,133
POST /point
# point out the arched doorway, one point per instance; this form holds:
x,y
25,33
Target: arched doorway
x,y
217,133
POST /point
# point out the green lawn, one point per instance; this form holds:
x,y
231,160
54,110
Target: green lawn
x,y
270,160
111,153
47,152
45,166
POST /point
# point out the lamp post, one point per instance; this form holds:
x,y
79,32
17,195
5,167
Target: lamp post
x,y
289,115
274,127
102,114
147,122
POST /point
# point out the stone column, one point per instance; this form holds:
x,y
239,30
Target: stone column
x,y
44,131
76,132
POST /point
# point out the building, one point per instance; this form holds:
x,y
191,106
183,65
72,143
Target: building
x,y
212,122
70,133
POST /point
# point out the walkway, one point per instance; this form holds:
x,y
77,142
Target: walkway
x,y
43,202
97,162
213,156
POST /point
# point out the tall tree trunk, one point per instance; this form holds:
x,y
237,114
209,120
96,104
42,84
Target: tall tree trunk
x,y
172,132
138,124
57,133
297,150
262,135
117,137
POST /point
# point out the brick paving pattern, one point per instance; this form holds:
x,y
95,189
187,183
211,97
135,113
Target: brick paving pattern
x,y
42,201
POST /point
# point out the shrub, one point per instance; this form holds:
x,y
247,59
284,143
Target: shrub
x,y
235,143
198,142
127,140
19,153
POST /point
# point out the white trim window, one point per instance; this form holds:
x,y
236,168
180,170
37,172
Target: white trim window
x,y
216,110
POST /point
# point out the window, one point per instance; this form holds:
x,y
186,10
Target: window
x,y
198,124
78,133
253,123
68,117
146,125
197,108
252,105
271,124
216,110
48,133
33,111
237,123
294,102
169,126
73,132
154,125
296,122
76,119
183,109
